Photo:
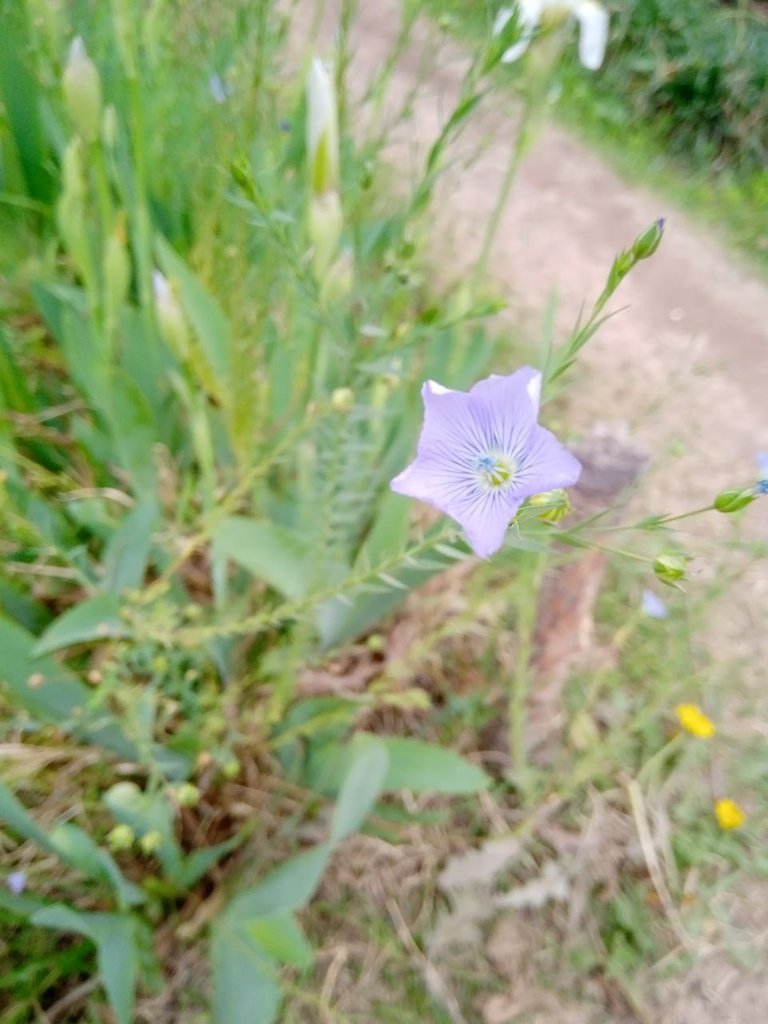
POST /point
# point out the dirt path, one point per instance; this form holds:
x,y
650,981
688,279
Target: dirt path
x,y
683,371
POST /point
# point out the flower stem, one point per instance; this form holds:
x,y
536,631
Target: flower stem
x,y
494,221
529,582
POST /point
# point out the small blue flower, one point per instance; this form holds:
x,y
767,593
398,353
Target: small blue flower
x,y
218,89
653,606
16,882
762,473
482,453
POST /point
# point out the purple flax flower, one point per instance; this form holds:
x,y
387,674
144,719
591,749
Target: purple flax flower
x,y
16,882
482,453
653,606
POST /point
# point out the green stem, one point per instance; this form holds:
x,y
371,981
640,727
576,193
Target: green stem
x,y
141,222
529,582
494,222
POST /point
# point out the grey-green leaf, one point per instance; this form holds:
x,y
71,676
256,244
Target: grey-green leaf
x,y
275,554
425,767
364,781
115,938
96,618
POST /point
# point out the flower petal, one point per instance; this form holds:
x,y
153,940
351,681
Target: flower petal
x,y
593,33
501,19
528,17
507,407
449,423
486,523
547,465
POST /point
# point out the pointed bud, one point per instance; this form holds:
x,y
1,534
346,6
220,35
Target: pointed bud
x,y
117,270
170,316
324,224
70,211
645,245
322,130
734,501
82,91
338,282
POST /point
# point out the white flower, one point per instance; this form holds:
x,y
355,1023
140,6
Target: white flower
x,y
591,16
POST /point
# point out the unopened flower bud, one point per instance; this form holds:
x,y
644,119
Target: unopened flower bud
x,y
188,795
82,91
170,316
150,842
339,279
231,768
71,207
669,568
322,130
46,17
554,505
324,224
117,269
121,837
733,501
645,245
125,24
342,400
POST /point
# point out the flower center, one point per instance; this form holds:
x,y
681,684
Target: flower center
x,y
495,471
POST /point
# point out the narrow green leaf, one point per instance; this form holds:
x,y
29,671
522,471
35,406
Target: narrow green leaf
x,y
281,937
115,938
245,981
14,814
205,315
275,554
364,781
96,618
76,848
341,621
425,767
286,888
200,861
133,431
127,553
50,693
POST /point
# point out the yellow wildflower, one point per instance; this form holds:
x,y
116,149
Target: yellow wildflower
x,y
694,721
729,814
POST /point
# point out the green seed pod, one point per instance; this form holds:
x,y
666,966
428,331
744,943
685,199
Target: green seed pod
x,y
669,568
121,837
733,501
556,505
150,842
